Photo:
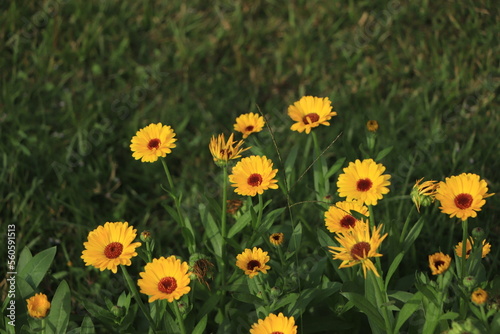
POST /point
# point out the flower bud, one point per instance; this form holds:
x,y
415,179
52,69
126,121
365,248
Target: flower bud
x,y
146,236
469,282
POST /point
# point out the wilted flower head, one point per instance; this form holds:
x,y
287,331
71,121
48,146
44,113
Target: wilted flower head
x,y
223,151
423,194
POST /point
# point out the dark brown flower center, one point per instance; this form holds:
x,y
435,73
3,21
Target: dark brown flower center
x,y
364,184
277,333
463,201
167,285
249,128
154,143
254,180
360,250
348,221
438,263
276,237
253,264
310,118
113,250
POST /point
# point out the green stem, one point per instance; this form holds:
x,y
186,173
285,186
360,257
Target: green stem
x,y
372,217
137,297
405,226
223,221
43,326
169,177
465,229
260,288
179,317
261,209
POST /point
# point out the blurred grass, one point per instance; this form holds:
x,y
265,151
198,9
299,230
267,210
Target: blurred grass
x,y
79,79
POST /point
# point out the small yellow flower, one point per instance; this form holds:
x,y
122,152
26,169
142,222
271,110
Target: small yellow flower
x,y
479,296
310,112
253,261
165,278
276,239
372,126
110,245
468,248
357,247
462,195
253,175
439,263
249,123
153,141
338,218
424,194
38,306
363,181
275,324
223,151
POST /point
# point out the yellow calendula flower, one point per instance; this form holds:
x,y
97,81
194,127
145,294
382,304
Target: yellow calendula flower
x,y
310,112
462,195
110,245
372,126
253,261
338,218
439,263
357,247
276,239
468,248
253,175
363,181
152,142
424,194
275,324
479,296
223,151
249,123
38,306
165,278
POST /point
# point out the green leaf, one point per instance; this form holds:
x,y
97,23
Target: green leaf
x,y
392,269
336,166
408,310
383,153
366,307
200,327
87,326
413,234
24,258
449,316
58,318
240,224
295,239
35,270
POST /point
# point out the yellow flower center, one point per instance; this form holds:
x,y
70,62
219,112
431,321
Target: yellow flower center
x,y
463,201
249,128
254,180
113,250
154,144
348,221
310,118
364,185
253,264
167,285
360,250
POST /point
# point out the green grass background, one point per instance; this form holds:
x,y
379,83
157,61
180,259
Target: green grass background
x,y
78,79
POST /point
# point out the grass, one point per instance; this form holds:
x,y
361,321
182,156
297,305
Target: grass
x,y
79,79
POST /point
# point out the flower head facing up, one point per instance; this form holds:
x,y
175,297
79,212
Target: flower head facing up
x,y
253,261
223,151
468,248
439,263
165,278
479,296
275,324
310,112
338,218
424,194
38,306
372,126
462,195
249,123
152,142
363,181
253,175
110,245
277,239
357,247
